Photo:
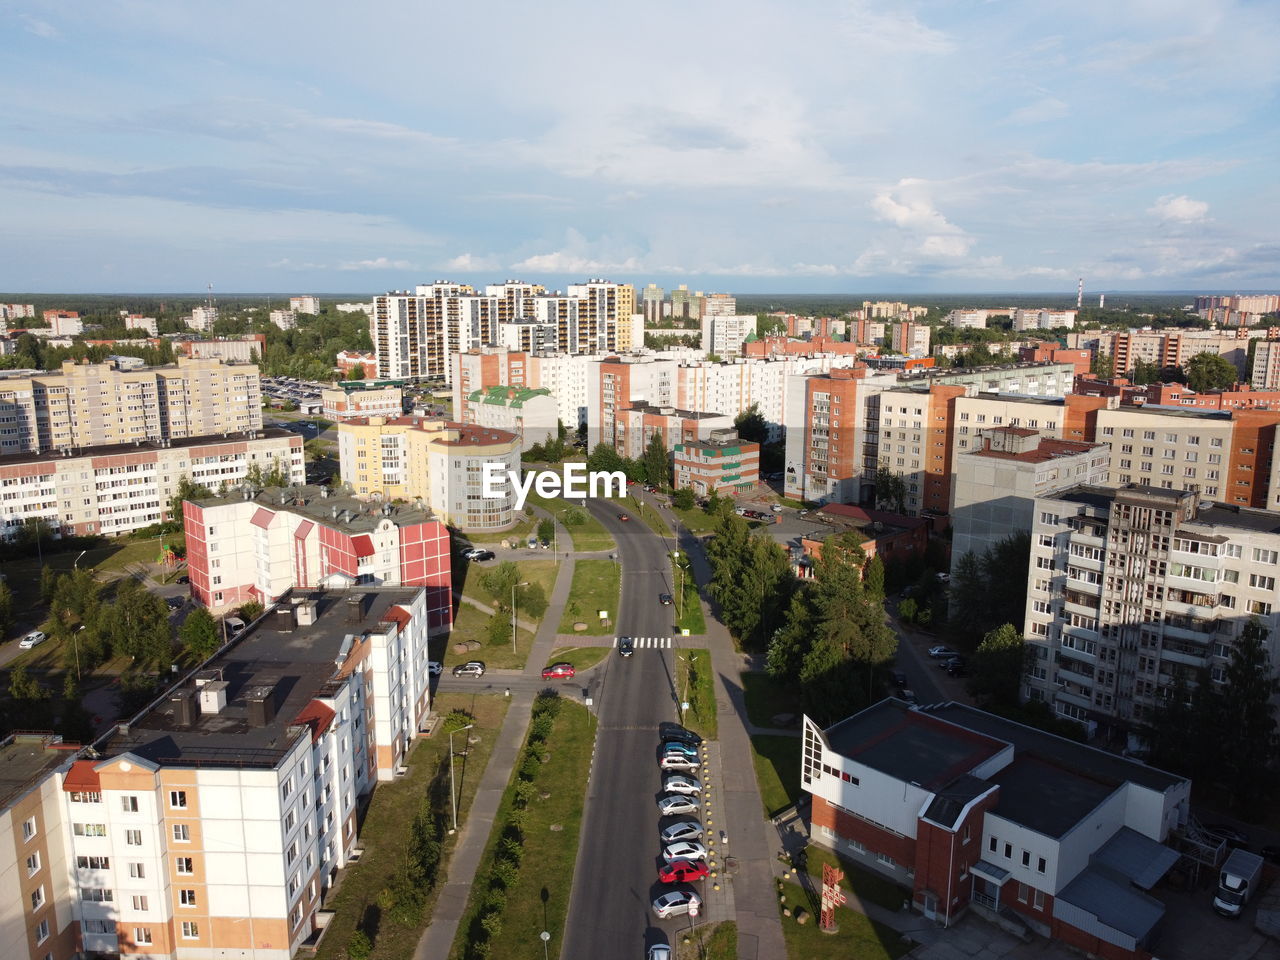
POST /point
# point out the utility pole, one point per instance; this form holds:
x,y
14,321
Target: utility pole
x,y
453,795
523,583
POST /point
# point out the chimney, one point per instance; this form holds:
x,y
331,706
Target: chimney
x,y
184,707
306,613
213,697
282,618
355,608
260,700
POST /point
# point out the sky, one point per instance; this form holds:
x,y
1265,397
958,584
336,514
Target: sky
x,y
748,146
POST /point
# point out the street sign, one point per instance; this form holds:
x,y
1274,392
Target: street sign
x,y
693,909
684,704
603,614
684,631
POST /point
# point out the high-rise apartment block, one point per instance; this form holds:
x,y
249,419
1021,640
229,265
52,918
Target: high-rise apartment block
x,y
202,317
1167,348
720,305
16,311
724,333
260,544
306,304
687,305
1266,365
284,319
1042,318
652,303
971,319
911,338
439,462
1133,589
93,404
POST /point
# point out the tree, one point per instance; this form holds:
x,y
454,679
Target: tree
x,y
968,596
1247,740
357,372
250,610
199,634
657,462
1209,371
48,583
499,582
188,489
791,642
751,425
499,629
137,624
873,578
1101,365
683,499
546,530
891,489
532,600
23,686
604,458
6,609
999,664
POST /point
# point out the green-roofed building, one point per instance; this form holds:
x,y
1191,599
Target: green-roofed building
x,y
533,415
722,464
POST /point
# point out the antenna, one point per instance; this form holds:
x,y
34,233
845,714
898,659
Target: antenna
x,y
209,299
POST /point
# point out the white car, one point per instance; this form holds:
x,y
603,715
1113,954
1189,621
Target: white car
x,y
435,668
684,830
659,951
677,762
679,784
684,850
675,904
31,639
675,804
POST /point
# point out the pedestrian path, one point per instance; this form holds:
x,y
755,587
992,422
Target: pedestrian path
x,y
645,643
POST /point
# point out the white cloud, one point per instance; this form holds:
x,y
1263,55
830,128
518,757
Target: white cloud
x,y
381,263
470,263
1043,110
563,261
1179,209
287,264
39,28
892,31
945,245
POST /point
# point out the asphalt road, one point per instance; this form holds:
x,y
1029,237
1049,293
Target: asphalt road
x,y
615,882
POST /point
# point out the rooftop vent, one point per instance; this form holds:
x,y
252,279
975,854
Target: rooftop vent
x,y
260,700
355,608
306,613
213,697
282,618
183,701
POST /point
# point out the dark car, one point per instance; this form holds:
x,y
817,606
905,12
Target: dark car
x,y
949,662
673,731
481,555
626,646
184,579
665,599
899,678
957,668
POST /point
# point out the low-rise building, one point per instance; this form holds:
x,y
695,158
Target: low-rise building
x,y
973,812
896,539
348,361
260,544
202,318
638,423
721,465
250,348
532,415
116,489
356,398
135,321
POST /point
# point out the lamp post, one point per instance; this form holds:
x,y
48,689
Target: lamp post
x,y
75,641
544,936
675,555
77,563
453,796
684,698
522,583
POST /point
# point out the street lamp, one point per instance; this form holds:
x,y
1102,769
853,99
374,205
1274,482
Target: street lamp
x,y
75,642
675,555
545,936
77,563
522,583
453,796
685,696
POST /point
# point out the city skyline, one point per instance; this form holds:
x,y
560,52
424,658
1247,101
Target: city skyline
x,y
839,148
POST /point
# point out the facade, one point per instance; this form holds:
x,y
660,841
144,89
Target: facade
x,y
686,304
284,319
94,404
1131,589
722,465
353,398
532,415
1242,397
970,319
894,538
261,546
723,333
998,479
116,489
911,338
250,348
1042,318
974,812
134,321
439,462
1266,365
17,311
565,375
305,304
202,318
346,361
652,303
1173,348
638,423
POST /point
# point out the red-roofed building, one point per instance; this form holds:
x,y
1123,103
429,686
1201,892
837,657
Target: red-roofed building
x,y
892,537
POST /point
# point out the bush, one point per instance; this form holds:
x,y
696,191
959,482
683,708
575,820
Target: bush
x,y
683,499
540,728
251,611
504,874
359,946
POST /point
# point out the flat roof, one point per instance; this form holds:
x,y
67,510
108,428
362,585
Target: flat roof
x,y
1048,449
118,449
298,665
675,411
1226,515
318,503
1045,797
1195,413
25,758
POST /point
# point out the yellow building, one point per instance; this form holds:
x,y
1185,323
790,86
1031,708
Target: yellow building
x,y
439,462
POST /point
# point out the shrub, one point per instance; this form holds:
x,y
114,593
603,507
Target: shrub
x,y
504,874
359,946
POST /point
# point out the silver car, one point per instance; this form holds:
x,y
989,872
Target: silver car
x,y
680,784
684,830
675,904
675,804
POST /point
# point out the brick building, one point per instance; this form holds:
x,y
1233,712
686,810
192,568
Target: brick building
x,y
722,464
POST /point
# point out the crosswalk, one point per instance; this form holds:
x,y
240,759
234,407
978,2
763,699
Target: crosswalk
x,y
643,643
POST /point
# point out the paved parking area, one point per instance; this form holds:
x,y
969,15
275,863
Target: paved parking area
x,y
1192,930
975,939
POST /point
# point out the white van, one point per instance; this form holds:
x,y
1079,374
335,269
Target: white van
x,y
234,625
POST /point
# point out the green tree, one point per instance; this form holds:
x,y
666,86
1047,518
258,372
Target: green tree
x,y
1101,365
546,530
199,634
357,372
499,581
657,462
873,578
137,625
188,490
683,499
499,629
891,489
1209,371
1247,740
604,457
6,609
250,610
999,664
48,583
751,425
791,642
23,686
532,601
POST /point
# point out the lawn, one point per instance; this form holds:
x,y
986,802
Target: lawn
x,y
652,519
777,761
594,588
860,937
582,658
107,561
587,536
471,624
538,571
690,608
766,698
695,520
383,832
519,533
700,691
547,857
719,942
867,884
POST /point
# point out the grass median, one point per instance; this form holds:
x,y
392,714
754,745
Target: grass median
x,y
541,571
717,942
767,698
360,901
777,761
695,682
689,607
859,937
582,658
525,855
586,531
470,624
594,588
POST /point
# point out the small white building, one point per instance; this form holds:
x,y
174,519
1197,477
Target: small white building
x,y
307,304
284,319
530,414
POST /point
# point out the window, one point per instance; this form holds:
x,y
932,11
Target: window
x,y
28,828
42,931
190,930
1026,858
1039,900
181,833
187,898
1259,607
141,935
129,804
137,870
887,860
85,797
992,844
1023,892
133,838
1040,866
1264,556
177,799
184,865
140,904
96,895
1261,582
89,829
93,863
33,864
964,836
1008,851
37,897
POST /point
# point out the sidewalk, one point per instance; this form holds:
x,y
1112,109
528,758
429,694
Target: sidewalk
x,y
437,939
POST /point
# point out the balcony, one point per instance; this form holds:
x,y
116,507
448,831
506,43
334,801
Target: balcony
x,y
1064,674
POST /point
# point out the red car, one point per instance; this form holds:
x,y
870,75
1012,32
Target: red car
x,y
558,671
683,871
623,517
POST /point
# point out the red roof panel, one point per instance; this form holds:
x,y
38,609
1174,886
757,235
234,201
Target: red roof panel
x,y
262,518
363,545
82,778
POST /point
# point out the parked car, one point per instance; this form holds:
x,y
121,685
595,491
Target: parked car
x,y
31,639
957,668
685,785
673,731
665,599
677,762
908,695
173,603
948,661
183,579
943,653
683,871
626,646
675,904
479,555
679,748
559,671
472,668
435,668
675,804
942,577
684,850
776,508
684,830
659,951
803,513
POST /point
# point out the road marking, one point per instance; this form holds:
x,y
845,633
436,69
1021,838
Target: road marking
x,y
645,643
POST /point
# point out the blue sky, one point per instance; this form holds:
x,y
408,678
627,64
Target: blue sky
x,y
746,145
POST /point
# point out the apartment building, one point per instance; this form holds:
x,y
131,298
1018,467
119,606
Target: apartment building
x,y
95,404
116,489
1042,318
249,348
998,479
354,398
346,361
637,424
202,318
724,333
1172,348
686,304
439,462
973,812
260,544
17,311
305,304
652,303
911,338
564,375
1132,589
135,321
721,465
620,382
1266,365
1242,397
284,319
970,319
532,415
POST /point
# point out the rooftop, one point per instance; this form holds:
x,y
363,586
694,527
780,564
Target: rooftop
x,y
293,666
507,396
338,510
27,757
1046,797
117,449
871,522
669,411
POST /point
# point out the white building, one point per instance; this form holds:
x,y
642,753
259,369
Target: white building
x,y
284,319
202,318
968,319
134,321
532,415
306,304
349,399
1042,318
722,334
